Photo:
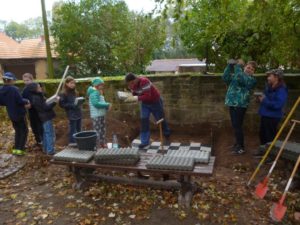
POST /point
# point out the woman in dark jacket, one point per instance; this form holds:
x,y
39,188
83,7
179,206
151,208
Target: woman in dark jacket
x,y
72,108
46,115
272,103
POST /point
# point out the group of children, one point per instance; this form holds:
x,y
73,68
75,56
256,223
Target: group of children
x,y
41,114
240,83
272,101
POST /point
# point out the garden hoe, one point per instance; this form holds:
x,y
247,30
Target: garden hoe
x,y
262,187
278,209
160,133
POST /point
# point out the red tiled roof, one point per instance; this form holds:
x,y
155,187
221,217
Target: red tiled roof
x,y
30,48
8,47
168,65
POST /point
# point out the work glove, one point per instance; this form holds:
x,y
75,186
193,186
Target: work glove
x,y
131,99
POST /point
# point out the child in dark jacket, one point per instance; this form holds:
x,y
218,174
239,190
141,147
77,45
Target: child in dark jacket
x,y
35,122
271,108
46,115
15,107
73,110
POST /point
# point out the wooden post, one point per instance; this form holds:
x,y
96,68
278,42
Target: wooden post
x,y
47,40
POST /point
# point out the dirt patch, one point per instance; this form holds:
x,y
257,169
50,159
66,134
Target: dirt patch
x,y
42,193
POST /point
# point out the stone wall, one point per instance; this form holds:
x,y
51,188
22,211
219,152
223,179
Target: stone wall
x,y
188,98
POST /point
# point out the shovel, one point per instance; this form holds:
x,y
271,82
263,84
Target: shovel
x,y
274,140
278,209
262,187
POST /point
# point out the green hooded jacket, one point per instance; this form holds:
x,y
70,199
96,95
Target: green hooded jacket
x,y
240,85
97,103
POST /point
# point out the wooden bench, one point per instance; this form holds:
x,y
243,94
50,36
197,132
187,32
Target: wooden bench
x,y
86,172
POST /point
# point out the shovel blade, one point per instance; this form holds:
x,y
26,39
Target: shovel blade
x,y
277,212
261,190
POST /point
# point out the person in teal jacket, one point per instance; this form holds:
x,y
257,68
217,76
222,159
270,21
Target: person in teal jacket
x,y
98,109
240,83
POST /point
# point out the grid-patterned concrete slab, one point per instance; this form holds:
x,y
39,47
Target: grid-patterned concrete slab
x,y
74,155
198,156
164,162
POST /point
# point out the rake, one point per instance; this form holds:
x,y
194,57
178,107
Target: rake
x,y
262,187
278,210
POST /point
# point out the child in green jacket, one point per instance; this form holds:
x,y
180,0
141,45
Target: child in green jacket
x,y
240,83
98,109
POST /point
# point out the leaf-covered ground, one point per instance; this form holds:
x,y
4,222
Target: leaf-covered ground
x,y
42,193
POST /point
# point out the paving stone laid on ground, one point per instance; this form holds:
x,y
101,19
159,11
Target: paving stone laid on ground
x,y
155,147
10,164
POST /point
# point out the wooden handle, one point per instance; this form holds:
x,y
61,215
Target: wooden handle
x,y
274,140
296,121
292,176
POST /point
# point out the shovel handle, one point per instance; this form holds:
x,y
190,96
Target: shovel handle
x,y
282,147
292,176
274,140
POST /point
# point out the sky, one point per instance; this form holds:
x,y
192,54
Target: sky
x,y
20,10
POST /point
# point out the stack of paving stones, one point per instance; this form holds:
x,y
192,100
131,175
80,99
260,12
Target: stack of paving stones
x,y
74,155
200,153
164,162
121,156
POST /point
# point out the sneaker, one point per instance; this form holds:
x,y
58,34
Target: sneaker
x,y
72,145
143,146
239,151
233,147
18,152
260,152
51,153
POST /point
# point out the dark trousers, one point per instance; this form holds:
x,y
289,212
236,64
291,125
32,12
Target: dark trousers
x,y
74,127
36,126
268,129
157,111
21,132
237,115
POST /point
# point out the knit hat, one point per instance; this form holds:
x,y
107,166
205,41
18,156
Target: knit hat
x,y
9,76
97,81
276,72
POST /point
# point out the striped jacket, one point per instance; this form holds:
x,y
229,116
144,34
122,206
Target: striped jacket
x,y
146,91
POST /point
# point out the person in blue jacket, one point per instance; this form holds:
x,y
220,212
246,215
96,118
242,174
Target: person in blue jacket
x,y
15,107
272,102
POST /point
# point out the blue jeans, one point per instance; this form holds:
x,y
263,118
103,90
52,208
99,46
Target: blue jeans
x,y
74,127
157,110
237,115
48,137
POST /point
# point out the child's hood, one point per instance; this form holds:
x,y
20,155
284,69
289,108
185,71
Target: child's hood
x,y
90,90
32,87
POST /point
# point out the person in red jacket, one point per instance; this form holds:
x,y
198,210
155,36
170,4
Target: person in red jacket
x,y
151,102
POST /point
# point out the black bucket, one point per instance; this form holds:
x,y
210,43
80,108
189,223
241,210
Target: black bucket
x,y
86,140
